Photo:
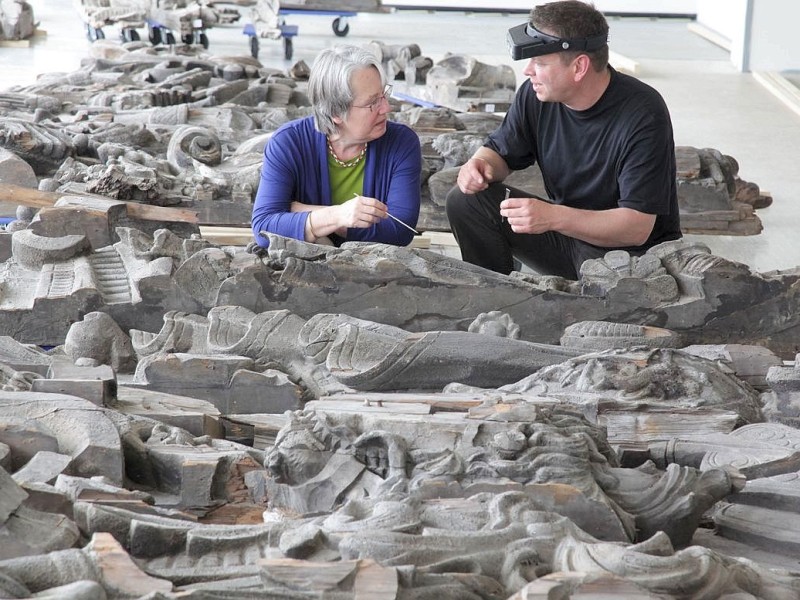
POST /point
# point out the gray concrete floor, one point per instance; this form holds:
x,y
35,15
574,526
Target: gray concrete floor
x,y
712,104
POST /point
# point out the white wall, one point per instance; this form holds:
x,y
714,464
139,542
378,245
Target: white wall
x,y
762,33
724,17
682,7
773,36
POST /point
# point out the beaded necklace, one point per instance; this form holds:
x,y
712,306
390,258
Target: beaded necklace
x,y
350,163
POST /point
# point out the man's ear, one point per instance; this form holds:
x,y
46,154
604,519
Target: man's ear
x,y
582,65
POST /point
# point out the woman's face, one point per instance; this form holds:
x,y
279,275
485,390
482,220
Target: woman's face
x,y
362,123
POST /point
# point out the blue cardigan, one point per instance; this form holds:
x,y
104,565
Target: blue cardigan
x,y
295,168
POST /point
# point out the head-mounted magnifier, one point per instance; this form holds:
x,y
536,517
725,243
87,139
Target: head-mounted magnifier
x,y
525,41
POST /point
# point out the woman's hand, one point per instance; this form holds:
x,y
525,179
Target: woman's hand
x,y
361,212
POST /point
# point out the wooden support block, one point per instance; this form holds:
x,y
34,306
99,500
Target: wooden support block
x,y
623,63
420,241
15,43
265,426
437,401
360,407
709,35
241,236
227,236
780,87
441,238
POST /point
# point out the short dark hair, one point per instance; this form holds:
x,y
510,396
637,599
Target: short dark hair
x,y
573,19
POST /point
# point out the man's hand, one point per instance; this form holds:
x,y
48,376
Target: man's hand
x,y
475,175
486,166
606,228
527,215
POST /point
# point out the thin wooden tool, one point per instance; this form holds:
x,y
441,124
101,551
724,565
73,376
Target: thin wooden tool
x,y
409,227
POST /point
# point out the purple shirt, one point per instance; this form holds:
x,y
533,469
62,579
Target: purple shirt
x,y
295,168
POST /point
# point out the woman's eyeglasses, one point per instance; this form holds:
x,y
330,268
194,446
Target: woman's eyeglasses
x,y
373,106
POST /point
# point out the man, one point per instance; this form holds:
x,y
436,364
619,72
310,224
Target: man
x,y
602,140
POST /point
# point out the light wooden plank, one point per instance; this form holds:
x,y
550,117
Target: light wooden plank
x,y
622,63
441,238
360,407
710,35
241,236
15,43
262,419
780,87
626,427
436,400
17,194
227,236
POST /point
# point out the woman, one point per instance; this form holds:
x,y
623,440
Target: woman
x,y
341,172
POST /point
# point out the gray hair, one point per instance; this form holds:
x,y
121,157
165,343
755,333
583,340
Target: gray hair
x,y
329,83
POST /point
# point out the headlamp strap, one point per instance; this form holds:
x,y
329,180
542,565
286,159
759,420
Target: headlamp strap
x,y
588,44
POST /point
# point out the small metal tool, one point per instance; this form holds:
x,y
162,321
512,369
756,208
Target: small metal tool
x,y
508,194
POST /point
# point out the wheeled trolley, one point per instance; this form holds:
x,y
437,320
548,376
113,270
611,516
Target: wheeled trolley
x,y
339,25
97,14
280,30
269,19
159,34
167,21
285,33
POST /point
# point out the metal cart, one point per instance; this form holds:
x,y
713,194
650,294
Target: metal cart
x,y
158,33
284,32
97,14
179,20
269,18
339,25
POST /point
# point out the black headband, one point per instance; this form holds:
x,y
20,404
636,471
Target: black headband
x,y
525,41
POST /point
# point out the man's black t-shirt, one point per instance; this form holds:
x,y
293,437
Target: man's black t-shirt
x,y
618,153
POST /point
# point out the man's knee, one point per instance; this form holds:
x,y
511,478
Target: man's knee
x,y
454,200
457,208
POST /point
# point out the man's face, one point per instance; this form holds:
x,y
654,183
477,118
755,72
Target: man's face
x,y
551,78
